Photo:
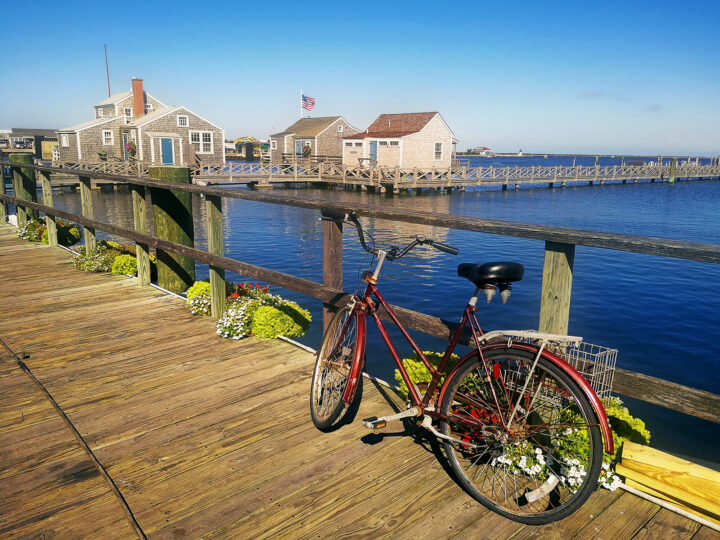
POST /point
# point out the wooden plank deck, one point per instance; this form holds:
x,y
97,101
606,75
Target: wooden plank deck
x,y
205,437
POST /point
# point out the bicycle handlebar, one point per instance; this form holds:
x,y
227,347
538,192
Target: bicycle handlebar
x,y
394,252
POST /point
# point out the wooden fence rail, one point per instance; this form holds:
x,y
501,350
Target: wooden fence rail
x,y
557,275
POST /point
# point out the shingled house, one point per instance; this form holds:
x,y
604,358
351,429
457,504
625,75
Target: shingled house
x,y
405,140
323,135
133,125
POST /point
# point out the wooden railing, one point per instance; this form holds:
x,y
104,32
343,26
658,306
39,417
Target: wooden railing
x,y
560,245
299,158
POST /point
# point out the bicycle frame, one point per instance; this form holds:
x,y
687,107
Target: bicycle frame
x,y
365,305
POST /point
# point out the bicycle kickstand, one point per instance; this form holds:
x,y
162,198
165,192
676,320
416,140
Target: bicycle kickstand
x,y
376,423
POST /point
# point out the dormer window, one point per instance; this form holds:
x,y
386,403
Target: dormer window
x,y
128,112
148,107
99,112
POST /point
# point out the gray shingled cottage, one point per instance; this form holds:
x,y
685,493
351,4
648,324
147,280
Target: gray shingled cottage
x,y
133,125
323,135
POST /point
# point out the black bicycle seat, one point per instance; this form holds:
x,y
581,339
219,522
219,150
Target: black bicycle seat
x,y
492,272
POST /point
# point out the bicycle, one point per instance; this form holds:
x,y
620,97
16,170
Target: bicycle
x,y
522,430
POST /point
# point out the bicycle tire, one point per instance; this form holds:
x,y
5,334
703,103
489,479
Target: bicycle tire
x,y
555,429
332,368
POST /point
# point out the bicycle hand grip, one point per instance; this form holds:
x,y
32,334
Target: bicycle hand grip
x,y
447,249
331,213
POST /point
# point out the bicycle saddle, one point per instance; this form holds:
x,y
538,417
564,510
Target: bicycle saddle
x,y
492,272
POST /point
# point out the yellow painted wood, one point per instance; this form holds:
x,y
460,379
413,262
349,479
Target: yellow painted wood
x,y
672,500
651,456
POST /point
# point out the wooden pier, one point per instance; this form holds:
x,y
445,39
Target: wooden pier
x,y
396,179
205,437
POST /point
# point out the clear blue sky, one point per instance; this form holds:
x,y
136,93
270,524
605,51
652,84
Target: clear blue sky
x,y
576,76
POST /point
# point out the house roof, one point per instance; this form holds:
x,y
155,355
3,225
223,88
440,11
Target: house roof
x,y
115,98
395,125
89,124
308,127
152,115
30,132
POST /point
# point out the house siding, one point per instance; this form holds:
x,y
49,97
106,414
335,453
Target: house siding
x,y
419,148
168,124
329,142
91,142
68,153
108,111
350,154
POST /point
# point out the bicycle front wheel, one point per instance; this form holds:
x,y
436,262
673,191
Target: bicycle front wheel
x,y
527,445
333,367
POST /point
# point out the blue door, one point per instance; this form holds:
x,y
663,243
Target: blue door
x,y
166,149
298,147
125,143
373,152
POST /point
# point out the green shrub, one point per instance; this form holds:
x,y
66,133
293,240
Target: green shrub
x,y
287,319
35,230
417,371
198,298
32,230
99,260
125,264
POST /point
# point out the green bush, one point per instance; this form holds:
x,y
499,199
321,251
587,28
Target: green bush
x,y
35,230
417,371
287,319
198,298
125,264
32,230
98,260
625,427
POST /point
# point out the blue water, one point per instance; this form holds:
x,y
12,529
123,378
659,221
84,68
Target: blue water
x,y
661,313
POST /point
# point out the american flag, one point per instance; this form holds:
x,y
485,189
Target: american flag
x,y
308,103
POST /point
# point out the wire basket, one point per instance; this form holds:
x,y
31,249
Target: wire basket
x,y
595,363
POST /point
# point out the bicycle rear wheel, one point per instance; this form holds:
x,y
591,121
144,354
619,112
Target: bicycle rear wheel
x,y
332,368
543,466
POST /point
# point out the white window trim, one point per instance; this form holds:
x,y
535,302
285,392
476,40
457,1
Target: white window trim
x,y
273,145
112,137
100,112
64,140
435,151
307,142
340,128
187,120
200,141
148,107
126,113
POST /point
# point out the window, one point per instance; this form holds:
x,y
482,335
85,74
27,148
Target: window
x,y
394,143
383,143
108,137
358,144
148,107
273,145
438,150
307,143
202,141
340,128
64,140
128,111
348,144
100,112
183,121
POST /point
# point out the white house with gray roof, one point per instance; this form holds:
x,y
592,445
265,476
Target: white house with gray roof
x,y
133,125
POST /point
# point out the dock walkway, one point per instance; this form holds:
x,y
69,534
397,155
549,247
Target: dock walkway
x,y
205,437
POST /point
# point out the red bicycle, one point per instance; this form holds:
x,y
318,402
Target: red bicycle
x,y
522,429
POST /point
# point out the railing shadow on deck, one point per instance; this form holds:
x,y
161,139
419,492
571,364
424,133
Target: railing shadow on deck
x,y
560,245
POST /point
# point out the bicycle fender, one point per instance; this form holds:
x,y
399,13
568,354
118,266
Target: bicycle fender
x,y
358,359
571,371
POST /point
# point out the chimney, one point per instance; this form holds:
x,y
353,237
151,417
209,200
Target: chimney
x,y
138,98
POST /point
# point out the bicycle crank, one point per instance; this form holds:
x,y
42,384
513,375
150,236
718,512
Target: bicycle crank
x,y
376,423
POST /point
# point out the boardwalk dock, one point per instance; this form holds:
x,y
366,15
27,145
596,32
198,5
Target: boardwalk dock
x,y
205,437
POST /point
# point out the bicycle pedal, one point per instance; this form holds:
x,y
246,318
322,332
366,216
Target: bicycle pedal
x,y
374,422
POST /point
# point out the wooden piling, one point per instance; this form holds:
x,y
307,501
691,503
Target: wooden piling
x,y
50,224
142,253
332,263
556,287
3,204
213,212
172,213
673,168
24,186
86,205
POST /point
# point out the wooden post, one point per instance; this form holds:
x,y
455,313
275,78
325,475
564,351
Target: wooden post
x,y
332,263
142,252
48,201
556,287
213,211
24,186
673,167
87,211
3,204
596,160
172,212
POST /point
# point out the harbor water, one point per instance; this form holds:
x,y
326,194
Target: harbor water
x,y
660,313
